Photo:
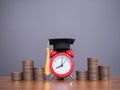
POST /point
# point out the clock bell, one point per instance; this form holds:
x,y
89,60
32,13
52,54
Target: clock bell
x,y
61,58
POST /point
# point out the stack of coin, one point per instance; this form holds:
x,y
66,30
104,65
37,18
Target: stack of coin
x,y
16,76
104,72
39,74
27,68
93,73
81,75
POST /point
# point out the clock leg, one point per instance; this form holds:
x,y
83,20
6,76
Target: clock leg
x,y
71,77
52,77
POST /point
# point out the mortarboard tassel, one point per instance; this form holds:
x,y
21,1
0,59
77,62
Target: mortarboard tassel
x,y
47,64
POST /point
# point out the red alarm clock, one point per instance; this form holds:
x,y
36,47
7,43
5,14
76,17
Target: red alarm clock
x,y
61,57
62,65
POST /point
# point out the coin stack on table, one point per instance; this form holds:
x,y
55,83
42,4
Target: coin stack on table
x,y
81,75
27,68
39,74
16,76
93,72
104,72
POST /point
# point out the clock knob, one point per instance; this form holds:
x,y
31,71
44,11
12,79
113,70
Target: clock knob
x,y
52,53
70,52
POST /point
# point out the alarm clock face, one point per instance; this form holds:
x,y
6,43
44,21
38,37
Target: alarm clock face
x,y
62,65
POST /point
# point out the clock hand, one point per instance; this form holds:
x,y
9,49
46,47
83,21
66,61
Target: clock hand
x,y
59,66
61,63
64,61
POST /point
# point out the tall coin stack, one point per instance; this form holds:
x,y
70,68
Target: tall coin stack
x,y
81,75
27,68
104,72
93,73
39,74
16,76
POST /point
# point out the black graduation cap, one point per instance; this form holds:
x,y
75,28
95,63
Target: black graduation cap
x,y
61,44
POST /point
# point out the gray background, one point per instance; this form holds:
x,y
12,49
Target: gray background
x,y
26,25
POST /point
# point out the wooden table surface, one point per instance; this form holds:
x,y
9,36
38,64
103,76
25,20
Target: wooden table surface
x,y
7,84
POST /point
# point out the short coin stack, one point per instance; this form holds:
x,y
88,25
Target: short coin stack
x,y
39,74
81,75
16,76
93,73
27,68
104,72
